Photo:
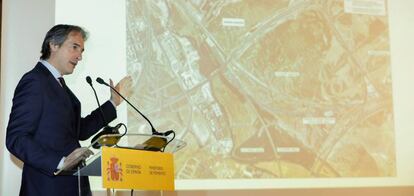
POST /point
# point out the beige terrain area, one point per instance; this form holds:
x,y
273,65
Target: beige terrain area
x,y
264,88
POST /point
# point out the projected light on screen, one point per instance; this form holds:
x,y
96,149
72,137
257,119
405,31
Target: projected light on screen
x,y
266,89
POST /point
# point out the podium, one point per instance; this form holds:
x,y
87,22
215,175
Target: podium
x,y
132,161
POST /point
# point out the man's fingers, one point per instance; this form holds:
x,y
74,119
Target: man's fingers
x,y
79,154
87,153
111,82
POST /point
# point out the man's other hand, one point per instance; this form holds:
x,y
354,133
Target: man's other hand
x,y
123,87
73,159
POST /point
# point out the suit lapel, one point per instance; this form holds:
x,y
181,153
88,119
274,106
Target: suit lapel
x,y
54,85
71,102
77,111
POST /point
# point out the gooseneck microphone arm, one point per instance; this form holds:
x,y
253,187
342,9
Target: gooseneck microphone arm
x,y
89,80
107,130
154,131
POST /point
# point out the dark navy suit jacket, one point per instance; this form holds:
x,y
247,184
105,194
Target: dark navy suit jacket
x,y
45,124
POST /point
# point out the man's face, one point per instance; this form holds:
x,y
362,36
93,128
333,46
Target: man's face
x,y
65,57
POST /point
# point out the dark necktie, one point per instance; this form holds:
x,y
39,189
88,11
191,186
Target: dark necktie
x,y
69,93
62,82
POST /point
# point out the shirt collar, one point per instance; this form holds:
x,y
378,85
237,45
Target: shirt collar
x,y
51,68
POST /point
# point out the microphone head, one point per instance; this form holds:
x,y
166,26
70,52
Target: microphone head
x,y
101,81
89,80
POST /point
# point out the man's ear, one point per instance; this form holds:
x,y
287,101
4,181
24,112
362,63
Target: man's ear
x,y
53,46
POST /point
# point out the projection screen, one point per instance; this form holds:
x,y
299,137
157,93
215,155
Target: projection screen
x,y
266,94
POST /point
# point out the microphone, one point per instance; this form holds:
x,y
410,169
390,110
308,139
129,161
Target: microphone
x,y
107,129
89,81
154,131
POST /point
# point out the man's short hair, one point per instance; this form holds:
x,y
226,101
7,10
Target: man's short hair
x,y
57,35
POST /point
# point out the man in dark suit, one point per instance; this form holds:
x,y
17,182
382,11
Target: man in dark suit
x,y
45,123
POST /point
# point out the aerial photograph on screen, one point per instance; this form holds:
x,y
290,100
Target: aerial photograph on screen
x,y
265,89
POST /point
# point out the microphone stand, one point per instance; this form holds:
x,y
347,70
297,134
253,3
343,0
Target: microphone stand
x,y
89,81
106,129
154,131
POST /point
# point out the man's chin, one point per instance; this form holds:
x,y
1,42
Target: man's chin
x,y
69,71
